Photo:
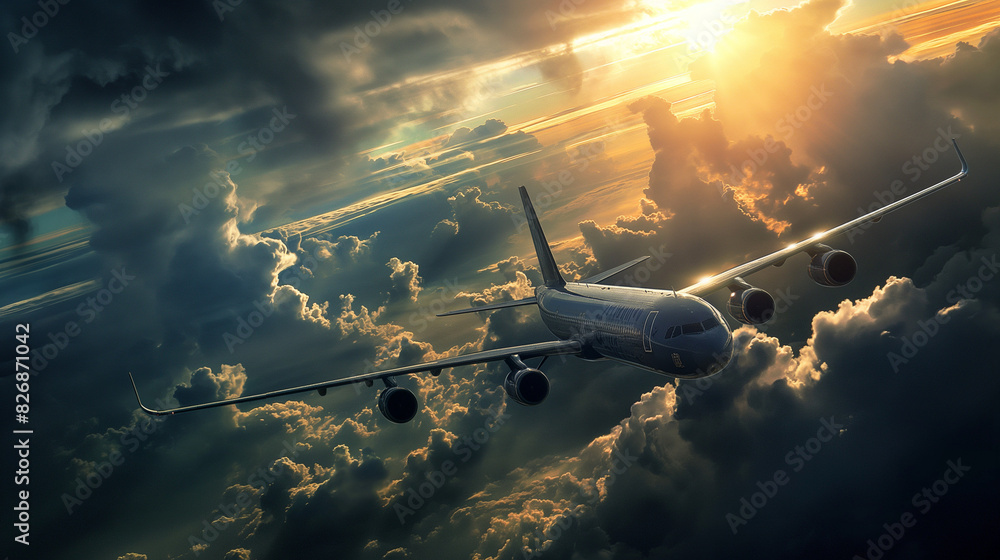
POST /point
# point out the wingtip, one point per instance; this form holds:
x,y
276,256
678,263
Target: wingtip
x,y
139,399
961,157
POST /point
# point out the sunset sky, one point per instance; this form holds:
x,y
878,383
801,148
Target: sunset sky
x,y
347,170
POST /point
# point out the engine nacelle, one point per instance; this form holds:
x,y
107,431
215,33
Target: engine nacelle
x,y
751,306
397,404
832,268
527,386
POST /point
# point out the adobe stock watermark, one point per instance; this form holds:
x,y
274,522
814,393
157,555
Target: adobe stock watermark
x,y
786,126
254,143
224,7
691,389
30,26
483,87
706,34
580,159
363,35
88,311
610,317
923,501
794,120
227,512
928,329
545,538
563,12
641,273
263,308
913,168
122,106
464,450
783,301
768,489
131,440
543,200
246,326
428,312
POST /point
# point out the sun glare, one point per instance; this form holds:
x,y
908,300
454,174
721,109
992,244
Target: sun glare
x,y
702,24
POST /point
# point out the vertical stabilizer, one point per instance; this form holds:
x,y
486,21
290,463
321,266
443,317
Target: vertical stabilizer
x,y
550,272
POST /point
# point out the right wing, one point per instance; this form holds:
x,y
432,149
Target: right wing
x,y
524,351
735,274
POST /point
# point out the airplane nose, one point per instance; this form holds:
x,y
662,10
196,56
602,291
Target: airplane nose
x,y
716,352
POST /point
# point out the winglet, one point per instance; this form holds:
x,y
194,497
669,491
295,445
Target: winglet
x,y
965,164
142,406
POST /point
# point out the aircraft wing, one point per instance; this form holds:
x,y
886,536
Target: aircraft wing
x,y
524,351
734,274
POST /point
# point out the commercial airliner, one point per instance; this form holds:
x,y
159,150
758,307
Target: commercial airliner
x,y
675,333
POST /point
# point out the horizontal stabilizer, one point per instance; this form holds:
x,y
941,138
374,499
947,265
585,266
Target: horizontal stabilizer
x,y
492,306
598,278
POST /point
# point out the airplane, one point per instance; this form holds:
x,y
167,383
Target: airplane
x,y
674,333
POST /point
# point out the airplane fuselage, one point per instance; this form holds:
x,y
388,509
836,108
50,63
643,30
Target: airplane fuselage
x,y
667,332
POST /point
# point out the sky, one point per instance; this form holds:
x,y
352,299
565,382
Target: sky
x,y
228,197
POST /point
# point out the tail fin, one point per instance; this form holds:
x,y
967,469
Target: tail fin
x,y
550,272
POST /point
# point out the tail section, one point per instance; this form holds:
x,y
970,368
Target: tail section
x,y
547,264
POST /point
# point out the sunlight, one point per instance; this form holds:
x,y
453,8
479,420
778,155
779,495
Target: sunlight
x,y
700,25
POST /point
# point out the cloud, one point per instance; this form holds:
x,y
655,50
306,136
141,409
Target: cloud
x,y
464,135
596,471
405,279
206,386
475,224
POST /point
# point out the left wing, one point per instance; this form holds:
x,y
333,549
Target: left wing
x,y
525,351
733,275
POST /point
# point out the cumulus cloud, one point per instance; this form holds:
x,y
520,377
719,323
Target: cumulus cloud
x,y
475,224
405,279
584,474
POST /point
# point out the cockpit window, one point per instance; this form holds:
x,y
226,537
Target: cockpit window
x,y
693,328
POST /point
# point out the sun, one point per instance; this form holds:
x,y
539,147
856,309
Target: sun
x,y
697,25
704,24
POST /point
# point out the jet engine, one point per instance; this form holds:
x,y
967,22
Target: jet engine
x,y
831,267
751,306
397,404
527,386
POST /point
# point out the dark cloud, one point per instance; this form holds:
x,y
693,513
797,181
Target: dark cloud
x,y
595,472
475,224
